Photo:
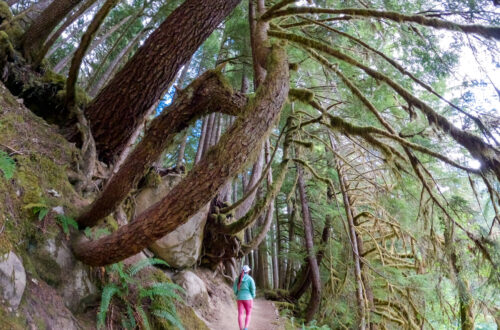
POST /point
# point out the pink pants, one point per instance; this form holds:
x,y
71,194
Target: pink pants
x,y
247,306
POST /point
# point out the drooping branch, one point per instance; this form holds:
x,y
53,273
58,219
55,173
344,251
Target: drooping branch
x,y
239,144
484,152
401,69
482,30
208,93
262,205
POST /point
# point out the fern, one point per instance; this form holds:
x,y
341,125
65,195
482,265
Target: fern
x,y
163,289
135,313
125,278
107,294
65,222
172,318
88,232
7,165
39,209
133,270
131,317
144,318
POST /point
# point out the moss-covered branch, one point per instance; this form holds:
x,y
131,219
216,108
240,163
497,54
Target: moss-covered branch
x,y
482,30
251,216
479,149
401,69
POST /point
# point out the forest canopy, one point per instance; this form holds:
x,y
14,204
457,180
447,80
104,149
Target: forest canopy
x,y
366,131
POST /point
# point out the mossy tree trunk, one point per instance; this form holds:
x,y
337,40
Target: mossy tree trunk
x,y
142,80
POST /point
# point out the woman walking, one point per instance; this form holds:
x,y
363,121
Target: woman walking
x,y
244,289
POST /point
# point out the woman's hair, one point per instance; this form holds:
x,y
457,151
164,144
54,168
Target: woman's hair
x,y
241,279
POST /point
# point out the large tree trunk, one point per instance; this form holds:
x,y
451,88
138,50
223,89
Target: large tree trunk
x,y
239,144
139,84
34,38
207,93
313,305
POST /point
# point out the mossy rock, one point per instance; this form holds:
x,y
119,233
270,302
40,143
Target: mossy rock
x,y
47,268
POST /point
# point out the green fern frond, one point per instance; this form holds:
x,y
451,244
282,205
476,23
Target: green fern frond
x,y
39,209
7,165
140,265
88,232
163,289
131,317
107,294
65,222
173,319
100,232
144,318
118,269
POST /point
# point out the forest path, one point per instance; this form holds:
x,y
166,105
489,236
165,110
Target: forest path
x,y
264,317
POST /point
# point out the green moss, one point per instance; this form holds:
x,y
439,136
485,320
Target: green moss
x,y
152,179
301,95
5,13
189,318
47,268
12,321
54,78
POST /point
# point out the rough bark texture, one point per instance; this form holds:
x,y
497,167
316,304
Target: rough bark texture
x,y
239,144
313,305
38,32
140,83
207,93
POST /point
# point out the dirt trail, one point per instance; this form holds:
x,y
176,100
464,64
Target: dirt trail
x,y
264,317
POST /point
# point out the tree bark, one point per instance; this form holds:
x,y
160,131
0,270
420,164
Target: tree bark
x,y
207,93
313,305
239,144
139,84
37,33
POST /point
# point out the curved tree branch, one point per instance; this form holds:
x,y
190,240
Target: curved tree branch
x,y
208,93
239,144
482,30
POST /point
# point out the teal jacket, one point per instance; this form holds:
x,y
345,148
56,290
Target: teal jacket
x,y
247,288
